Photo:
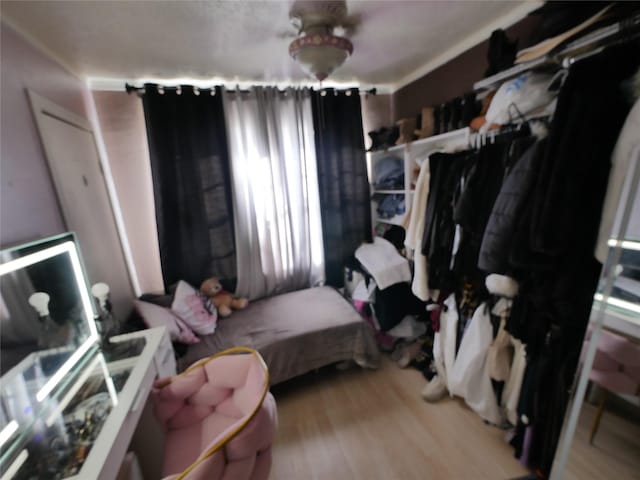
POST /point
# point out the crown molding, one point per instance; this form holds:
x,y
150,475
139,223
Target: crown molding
x,y
471,41
42,48
109,84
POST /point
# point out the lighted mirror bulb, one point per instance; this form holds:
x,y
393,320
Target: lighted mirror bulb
x,y
40,301
101,292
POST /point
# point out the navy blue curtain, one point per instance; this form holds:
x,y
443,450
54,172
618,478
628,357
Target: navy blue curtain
x,y
342,178
191,183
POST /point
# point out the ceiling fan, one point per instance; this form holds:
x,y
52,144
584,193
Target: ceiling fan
x,y
319,45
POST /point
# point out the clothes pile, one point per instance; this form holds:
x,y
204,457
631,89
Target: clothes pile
x,y
388,174
382,295
389,205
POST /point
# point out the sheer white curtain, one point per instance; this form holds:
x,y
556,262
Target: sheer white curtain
x,y
278,227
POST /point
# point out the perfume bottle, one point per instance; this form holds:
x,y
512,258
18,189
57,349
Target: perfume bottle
x,y
107,323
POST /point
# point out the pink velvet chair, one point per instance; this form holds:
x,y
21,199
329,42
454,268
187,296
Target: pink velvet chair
x,y
219,417
616,368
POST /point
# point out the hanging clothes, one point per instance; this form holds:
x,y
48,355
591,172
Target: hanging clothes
x,y
627,142
507,288
532,211
513,386
479,199
554,304
584,142
500,354
415,230
469,377
444,342
497,238
438,238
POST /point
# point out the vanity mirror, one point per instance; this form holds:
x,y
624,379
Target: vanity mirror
x,y
46,314
69,399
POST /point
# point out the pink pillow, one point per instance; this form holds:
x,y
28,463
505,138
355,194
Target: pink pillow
x,y
157,316
195,309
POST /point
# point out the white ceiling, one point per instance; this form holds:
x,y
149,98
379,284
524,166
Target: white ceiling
x,y
397,41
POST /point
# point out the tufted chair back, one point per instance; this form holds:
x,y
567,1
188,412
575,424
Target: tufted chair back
x,y
616,368
219,418
616,365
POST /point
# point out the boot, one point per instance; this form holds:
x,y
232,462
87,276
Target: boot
x,y
406,127
427,123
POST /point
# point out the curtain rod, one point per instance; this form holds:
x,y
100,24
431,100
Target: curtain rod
x,y
211,90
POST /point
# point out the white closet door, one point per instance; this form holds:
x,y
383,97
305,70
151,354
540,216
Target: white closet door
x,y
73,159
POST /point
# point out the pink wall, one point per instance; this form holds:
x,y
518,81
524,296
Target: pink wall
x,y
124,133
28,204
455,77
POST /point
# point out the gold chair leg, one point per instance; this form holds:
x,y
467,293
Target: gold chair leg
x,y
596,421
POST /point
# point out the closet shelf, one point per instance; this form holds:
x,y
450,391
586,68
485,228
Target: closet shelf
x,y
398,220
498,78
586,43
396,149
426,146
388,192
443,137
411,154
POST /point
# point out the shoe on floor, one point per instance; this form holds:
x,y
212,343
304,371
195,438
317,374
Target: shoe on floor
x,y
409,353
398,351
434,390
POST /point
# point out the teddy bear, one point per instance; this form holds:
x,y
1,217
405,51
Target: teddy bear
x,y
223,300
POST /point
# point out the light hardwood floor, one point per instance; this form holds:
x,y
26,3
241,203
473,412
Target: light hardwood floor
x,y
373,425
615,453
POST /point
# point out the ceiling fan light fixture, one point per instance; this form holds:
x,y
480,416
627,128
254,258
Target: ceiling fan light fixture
x,y
319,47
320,54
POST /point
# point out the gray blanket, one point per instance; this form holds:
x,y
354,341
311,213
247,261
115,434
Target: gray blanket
x,y
295,332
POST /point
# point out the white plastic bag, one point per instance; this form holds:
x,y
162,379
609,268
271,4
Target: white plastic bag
x,y
516,98
469,377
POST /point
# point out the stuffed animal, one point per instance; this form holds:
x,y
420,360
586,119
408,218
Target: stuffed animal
x,y
223,300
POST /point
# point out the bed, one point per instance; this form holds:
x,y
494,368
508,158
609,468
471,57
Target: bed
x,y
295,333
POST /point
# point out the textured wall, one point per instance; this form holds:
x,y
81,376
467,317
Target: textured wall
x,y
28,204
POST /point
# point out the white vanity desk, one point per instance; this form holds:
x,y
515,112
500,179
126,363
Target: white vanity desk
x,y
128,377
156,361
